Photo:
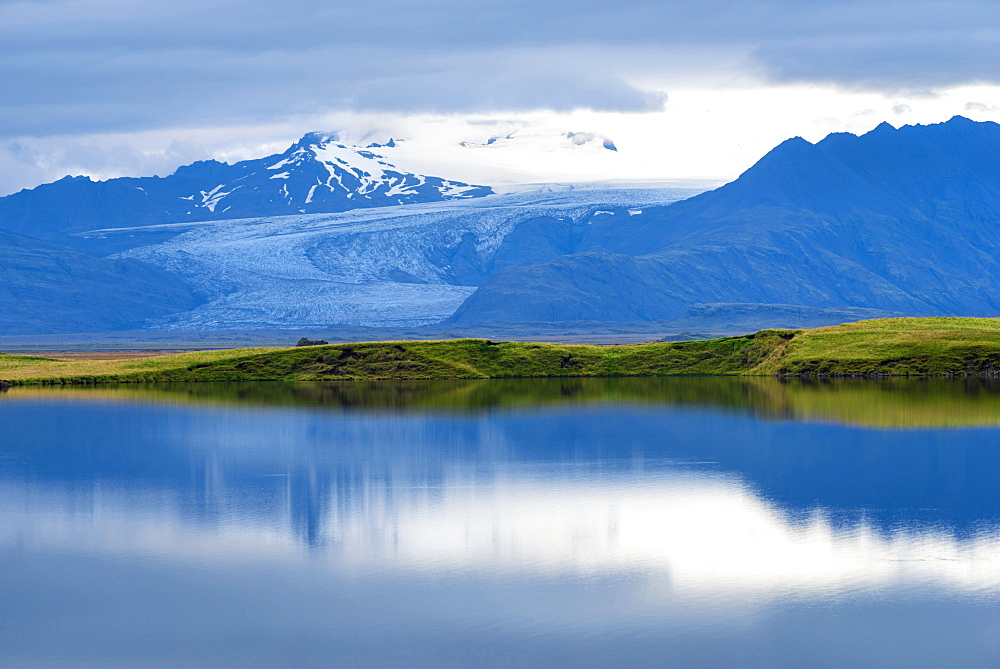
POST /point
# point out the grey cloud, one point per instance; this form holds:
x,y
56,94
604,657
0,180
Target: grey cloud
x,y
981,107
19,168
95,91
889,62
70,66
27,163
506,79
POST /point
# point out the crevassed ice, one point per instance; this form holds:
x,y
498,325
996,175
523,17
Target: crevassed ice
x,y
326,269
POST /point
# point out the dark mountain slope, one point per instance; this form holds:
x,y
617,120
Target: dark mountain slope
x,y
903,220
49,289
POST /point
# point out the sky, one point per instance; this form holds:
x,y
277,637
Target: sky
x,y
685,90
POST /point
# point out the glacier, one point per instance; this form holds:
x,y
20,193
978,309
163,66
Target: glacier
x,y
397,266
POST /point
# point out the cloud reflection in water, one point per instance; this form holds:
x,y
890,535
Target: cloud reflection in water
x,y
693,534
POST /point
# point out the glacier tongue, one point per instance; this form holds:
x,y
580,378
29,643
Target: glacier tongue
x,y
392,266
284,303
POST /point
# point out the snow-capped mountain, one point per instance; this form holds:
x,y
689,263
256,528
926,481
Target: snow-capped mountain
x,y
317,174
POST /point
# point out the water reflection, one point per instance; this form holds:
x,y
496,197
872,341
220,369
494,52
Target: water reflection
x,y
538,522
704,537
887,403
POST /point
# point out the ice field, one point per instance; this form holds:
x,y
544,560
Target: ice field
x,y
390,266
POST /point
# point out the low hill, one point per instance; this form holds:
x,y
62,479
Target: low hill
x,y
898,346
50,288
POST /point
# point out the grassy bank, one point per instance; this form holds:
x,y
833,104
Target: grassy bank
x,y
893,347
906,346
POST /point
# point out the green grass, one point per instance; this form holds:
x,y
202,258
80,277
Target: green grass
x,y
893,347
900,346
452,359
20,369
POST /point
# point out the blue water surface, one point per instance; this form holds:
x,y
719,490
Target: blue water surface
x,y
658,522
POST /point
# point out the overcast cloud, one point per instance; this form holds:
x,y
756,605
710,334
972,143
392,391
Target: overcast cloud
x,y
93,65
74,73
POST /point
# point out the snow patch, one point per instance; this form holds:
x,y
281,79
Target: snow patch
x,y
281,163
212,198
400,188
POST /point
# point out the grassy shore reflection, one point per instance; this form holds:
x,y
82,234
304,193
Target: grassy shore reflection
x,y
886,403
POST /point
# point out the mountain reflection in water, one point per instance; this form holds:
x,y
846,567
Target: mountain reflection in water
x,y
639,507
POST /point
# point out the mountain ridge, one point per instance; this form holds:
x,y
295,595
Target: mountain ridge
x,y
316,174
903,220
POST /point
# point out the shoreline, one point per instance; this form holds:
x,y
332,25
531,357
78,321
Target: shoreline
x,y
880,348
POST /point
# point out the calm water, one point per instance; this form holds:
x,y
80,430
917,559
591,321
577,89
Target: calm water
x,y
629,522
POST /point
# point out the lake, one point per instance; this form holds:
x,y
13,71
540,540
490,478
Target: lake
x,y
557,522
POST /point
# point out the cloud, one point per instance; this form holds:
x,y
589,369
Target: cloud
x,y
88,83
981,107
891,62
100,65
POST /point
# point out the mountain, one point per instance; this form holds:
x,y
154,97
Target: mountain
x,y
317,174
387,265
903,220
896,221
50,289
